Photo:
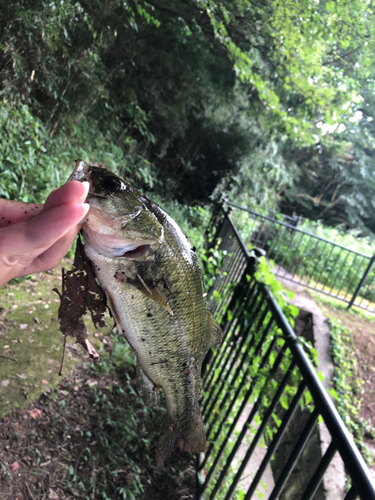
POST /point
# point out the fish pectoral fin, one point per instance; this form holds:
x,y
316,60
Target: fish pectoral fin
x,y
214,331
159,297
152,292
188,436
147,389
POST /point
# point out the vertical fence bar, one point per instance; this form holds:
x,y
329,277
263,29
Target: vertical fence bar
x,y
356,273
300,259
344,277
315,481
253,411
276,440
243,404
316,263
360,284
279,235
352,494
323,266
291,260
262,427
233,337
254,309
246,356
300,445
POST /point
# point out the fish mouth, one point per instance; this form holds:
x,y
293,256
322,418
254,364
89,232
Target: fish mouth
x,y
137,252
118,248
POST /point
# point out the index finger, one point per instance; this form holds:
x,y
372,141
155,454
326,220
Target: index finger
x,y
13,212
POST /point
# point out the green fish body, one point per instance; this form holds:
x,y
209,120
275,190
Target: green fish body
x,y
154,288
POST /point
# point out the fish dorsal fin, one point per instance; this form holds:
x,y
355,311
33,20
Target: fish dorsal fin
x,y
152,292
215,333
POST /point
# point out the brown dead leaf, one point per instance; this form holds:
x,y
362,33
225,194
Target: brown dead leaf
x,y
14,466
35,413
81,293
52,495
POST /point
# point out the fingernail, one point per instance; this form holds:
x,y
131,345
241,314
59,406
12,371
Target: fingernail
x,y
86,206
87,187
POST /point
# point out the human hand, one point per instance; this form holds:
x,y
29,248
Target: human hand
x,y
35,237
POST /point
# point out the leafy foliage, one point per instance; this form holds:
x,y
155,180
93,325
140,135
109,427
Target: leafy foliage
x,y
323,265
188,100
348,387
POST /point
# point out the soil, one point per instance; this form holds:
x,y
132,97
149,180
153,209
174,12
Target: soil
x,y
57,448
362,329
364,352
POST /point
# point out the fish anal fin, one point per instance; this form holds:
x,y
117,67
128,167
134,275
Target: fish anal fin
x,y
189,436
147,390
215,334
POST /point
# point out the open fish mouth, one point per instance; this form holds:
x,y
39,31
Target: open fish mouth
x,y
137,252
114,247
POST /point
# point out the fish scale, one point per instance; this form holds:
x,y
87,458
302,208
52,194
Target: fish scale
x,y
156,295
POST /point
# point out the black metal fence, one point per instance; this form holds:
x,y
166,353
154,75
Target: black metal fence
x,y
263,404
310,260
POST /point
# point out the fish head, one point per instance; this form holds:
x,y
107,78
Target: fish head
x,y
120,222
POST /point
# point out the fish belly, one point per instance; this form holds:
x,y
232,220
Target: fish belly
x,y
168,351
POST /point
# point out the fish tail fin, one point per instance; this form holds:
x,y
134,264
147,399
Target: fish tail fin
x,y
189,436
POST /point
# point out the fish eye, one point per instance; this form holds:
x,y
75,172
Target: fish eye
x,y
112,184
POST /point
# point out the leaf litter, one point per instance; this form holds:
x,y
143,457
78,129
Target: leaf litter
x,y
80,293
90,443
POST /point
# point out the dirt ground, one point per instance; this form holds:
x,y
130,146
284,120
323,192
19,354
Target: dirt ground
x,y
363,330
58,449
363,352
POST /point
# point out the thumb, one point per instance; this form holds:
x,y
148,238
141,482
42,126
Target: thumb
x,y
21,243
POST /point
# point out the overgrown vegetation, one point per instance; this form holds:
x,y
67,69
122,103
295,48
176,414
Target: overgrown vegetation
x,y
91,436
191,99
349,387
247,371
323,265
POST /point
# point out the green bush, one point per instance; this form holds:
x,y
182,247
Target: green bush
x,y
33,161
314,261
27,168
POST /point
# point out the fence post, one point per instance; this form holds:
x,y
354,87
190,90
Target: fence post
x,y
360,284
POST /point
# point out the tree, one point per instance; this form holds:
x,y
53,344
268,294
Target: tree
x,y
188,98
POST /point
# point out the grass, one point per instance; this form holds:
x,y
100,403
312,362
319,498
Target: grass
x,y
343,306
349,387
353,353
30,340
87,435
91,437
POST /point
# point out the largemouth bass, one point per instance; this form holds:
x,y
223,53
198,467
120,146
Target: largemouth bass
x,y
154,288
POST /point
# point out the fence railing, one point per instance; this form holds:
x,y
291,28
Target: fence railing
x,y
309,260
263,404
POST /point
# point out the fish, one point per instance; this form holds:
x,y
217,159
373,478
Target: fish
x,y
155,291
